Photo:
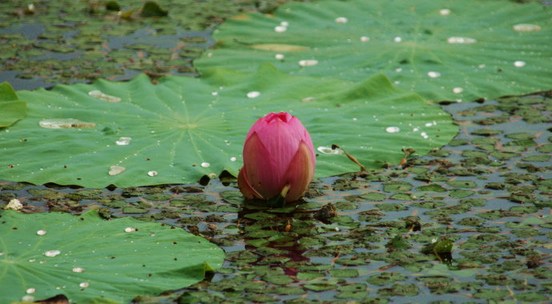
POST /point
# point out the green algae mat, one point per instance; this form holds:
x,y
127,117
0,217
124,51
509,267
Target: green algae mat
x,y
70,41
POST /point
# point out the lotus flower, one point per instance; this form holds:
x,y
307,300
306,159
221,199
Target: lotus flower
x,y
278,159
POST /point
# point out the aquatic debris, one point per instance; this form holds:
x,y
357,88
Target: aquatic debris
x,y
14,204
65,123
105,97
326,213
441,248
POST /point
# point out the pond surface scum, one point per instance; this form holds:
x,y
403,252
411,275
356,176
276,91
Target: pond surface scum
x,y
372,237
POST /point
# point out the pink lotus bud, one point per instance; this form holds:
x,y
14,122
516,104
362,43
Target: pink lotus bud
x,y
278,159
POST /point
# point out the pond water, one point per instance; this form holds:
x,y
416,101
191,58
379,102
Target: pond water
x,y
360,237
355,238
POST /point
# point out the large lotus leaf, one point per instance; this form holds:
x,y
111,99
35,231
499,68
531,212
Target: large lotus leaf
x,y
184,128
444,50
92,260
11,108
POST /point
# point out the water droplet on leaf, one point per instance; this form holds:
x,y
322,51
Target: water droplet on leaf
x,y
152,173
280,29
392,129
41,232
457,90
519,64
526,27
84,284
444,12
52,253
308,62
205,164
123,141
78,269
114,170
30,290
431,124
329,150
433,74
461,40
364,39
100,95
341,20
65,123
253,94
130,229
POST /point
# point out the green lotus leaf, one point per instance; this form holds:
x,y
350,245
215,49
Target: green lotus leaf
x,y
443,50
137,133
91,260
11,108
